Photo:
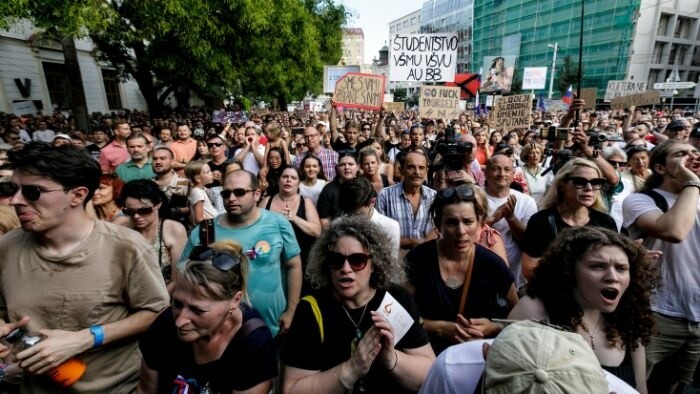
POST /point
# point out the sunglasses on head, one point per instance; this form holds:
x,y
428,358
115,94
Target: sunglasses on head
x,y
580,182
214,144
30,192
357,261
142,211
226,194
224,261
463,192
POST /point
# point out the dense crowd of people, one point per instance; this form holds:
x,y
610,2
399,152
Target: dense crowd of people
x,y
352,251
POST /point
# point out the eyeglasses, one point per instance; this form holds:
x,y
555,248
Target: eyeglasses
x,y
463,192
301,145
214,144
581,182
224,261
30,192
357,261
226,194
143,211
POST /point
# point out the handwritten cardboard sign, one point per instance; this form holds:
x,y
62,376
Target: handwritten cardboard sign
x,y
649,97
623,88
513,112
357,90
394,106
423,57
439,102
589,96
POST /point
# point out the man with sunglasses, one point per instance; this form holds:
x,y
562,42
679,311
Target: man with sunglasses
x,y
269,241
219,159
92,286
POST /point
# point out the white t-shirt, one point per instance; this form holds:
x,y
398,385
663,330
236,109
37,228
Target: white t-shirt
x,y
391,228
458,369
679,293
525,207
198,194
249,163
44,135
536,182
312,192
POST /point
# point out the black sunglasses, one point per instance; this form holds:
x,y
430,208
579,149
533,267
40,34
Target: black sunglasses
x,y
226,194
581,182
30,192
214,144
224,261
464,192
616,164
141,211
357,261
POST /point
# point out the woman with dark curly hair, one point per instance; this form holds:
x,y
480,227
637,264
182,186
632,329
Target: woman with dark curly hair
x,y
338,340
597,283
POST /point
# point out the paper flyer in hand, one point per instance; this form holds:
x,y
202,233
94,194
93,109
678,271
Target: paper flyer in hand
x,y
397,315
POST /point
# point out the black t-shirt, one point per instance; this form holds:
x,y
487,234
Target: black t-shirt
x,y
488,288
539,232
327,204
247,361
218,167
303,347
339,145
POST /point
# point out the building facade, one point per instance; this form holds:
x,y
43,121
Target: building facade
x,y
32,72
667,36
353,47
525,28
451,16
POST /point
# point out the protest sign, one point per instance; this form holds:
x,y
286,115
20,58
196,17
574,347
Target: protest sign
x,y
589,96
500,74
331,75
229,117
356,90
25,107
623,88
555,105
394,106
649,97
439,102
513,112
534,78
423,57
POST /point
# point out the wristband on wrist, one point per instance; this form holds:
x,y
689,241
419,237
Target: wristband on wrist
x,y
691,184
98,335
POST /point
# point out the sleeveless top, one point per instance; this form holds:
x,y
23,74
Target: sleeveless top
x,y
624,371
305,240
162,252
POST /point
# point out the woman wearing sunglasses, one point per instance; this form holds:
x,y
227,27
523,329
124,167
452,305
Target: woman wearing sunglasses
x,y
458,284
209,340
573,199
597,283
338,342
143,206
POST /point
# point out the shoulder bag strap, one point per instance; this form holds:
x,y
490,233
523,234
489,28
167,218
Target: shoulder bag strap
x,y
467,281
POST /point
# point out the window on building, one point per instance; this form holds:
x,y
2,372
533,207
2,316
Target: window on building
x,y
405,24
658,51
682,28
653,77
672,54
413,21
111,82
682,54
663,24
57,83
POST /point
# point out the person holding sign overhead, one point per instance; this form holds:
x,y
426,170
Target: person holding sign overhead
x,y
358,331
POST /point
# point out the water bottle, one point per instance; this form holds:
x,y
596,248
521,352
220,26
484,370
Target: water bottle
x,y
65,374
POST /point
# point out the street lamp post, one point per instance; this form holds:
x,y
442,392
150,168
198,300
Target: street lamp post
x,y
554,65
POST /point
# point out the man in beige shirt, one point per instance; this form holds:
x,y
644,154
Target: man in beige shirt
x,y
90,286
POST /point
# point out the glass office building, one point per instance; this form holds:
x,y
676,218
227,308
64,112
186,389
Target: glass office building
x,y
524,28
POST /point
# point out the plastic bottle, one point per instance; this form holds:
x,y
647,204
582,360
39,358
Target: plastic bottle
x,y
65,374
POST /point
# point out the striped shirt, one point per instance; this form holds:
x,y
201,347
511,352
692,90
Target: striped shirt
x,y
393,202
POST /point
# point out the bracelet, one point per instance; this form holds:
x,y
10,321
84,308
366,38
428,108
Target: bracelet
x,y
691,184
99,335
396,362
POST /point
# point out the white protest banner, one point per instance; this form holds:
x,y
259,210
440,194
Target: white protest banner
x,y
555,105
649,97
331,74
513,112
439,102
356,90
623,88
25,107
534,78
423,57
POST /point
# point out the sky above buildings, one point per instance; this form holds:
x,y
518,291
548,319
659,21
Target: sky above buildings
x,y
373,16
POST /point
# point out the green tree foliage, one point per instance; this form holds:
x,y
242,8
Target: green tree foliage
x,y
259,48
567,74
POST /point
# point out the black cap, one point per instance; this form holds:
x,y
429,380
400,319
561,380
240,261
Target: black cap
x,y
676,124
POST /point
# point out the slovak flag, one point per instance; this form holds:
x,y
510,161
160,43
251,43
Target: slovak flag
x,y
569,96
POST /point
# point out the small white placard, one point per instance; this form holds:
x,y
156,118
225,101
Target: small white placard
x,y
397,315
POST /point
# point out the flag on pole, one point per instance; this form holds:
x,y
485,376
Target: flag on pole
x,y
540,103
569,96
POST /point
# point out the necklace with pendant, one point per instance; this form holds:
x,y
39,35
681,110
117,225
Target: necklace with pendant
x,y
358,333
592,335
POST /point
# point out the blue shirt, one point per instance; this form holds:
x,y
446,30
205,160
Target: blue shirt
x,y
393,202
269,242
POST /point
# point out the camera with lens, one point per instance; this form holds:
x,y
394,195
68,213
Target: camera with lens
x,y
452,151
503,147
553,133
596,139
